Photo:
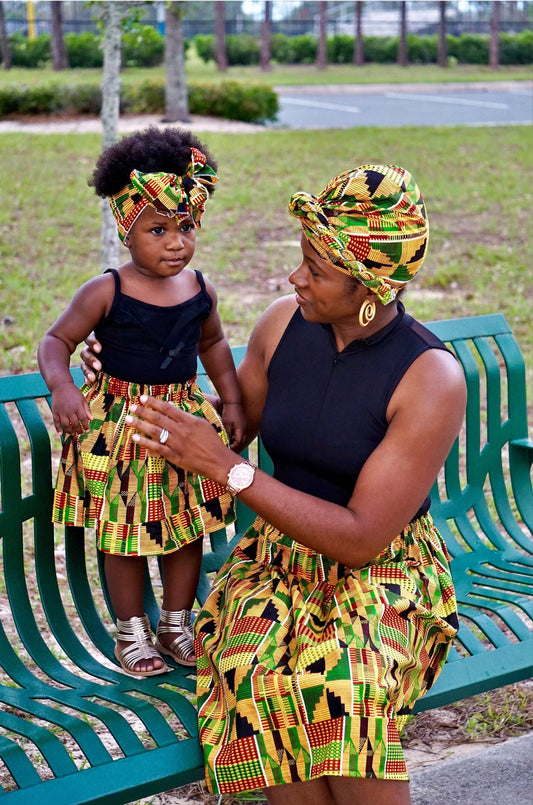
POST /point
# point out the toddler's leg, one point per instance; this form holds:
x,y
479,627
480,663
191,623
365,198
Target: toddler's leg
x,y
135,652
180,571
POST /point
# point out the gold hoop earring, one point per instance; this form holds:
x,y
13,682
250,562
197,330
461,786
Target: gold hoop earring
x,y
367,311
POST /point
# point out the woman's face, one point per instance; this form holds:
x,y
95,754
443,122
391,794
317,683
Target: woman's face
x,y
324,293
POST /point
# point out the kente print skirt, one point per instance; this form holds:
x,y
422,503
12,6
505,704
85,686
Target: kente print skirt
x,y
305,665
140,505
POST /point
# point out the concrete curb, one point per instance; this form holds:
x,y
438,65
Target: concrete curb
x,y
501,774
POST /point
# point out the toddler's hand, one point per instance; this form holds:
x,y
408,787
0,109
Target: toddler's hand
x,y
70,410
235,424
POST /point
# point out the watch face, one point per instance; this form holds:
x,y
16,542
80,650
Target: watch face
x,y
241,475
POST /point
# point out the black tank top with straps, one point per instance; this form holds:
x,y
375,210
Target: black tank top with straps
x,y
144,343
325,410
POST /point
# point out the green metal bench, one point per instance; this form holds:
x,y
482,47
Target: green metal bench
x,y
73,729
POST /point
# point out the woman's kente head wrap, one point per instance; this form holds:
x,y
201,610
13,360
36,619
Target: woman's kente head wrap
x,y
369,222
171,195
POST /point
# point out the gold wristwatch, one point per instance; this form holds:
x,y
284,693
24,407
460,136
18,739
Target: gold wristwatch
x,y
240,477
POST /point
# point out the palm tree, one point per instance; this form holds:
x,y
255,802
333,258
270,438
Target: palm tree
x,y
322,53
402,43
221,57
59,53
265,38
4,41
443,41
358,50
494,46
176,100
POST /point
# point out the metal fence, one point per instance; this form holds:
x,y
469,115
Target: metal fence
x,y
379,19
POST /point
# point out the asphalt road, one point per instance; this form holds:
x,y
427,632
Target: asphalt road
x,y
405,105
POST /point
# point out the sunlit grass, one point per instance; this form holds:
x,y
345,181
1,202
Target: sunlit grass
x,y
476,183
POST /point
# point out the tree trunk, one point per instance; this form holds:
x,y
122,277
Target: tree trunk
x,y
358,51
59,53
265,38
443,41
221,57
112,13
402,43
4,41
322,52
494,47
176,100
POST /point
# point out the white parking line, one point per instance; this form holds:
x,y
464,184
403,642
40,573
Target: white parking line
x,y
335,107
445,99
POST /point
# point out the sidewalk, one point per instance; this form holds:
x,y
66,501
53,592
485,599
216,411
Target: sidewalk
x,y
80,124
494,774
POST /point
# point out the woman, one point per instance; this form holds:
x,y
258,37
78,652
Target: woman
x,y
336,610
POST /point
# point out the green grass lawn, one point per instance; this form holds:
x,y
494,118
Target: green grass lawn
x,y
284,75
476,183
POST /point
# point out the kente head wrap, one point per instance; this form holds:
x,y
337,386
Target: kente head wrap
x,y
369,222
171,195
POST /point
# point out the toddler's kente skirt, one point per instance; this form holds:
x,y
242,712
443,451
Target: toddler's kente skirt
x,y
140,505
304,665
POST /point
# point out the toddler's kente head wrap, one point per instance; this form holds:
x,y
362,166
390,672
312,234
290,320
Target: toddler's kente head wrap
x,y
171,195
369,222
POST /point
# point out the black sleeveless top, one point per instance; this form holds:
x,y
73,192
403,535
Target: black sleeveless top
x,y
144,343
325,410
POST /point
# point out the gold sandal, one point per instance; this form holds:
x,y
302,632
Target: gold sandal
x,y
178,622
136,631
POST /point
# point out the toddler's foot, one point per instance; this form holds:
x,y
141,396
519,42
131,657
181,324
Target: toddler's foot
x,y
174,636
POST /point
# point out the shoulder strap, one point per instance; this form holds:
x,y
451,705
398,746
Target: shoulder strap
x,y
116,277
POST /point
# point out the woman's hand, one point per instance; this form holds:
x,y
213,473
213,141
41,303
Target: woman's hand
x,y
90,365
192,442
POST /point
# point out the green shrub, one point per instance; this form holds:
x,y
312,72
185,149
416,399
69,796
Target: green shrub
x,y
242,49
82,99
235,101
340,49
380,49
472,49
144,98
229,99
28,100
281,49
422,49
30,52
205,47
517,48
305,48
84,49
142,47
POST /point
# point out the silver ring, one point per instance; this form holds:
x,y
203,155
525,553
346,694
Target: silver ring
x,y
163,436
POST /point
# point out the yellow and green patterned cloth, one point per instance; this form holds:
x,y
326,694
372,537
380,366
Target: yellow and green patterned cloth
x,y
370,223
304,665
140,505
171,195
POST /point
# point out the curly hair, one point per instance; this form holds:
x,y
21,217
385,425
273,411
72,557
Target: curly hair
x,y
152,150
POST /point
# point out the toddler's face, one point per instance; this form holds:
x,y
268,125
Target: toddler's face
x,y
161,245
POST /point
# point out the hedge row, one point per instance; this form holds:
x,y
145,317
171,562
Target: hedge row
x,y
465,49
229,99
144,47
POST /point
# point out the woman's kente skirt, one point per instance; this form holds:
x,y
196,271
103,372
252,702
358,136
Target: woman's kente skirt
x,y
140,505
304,665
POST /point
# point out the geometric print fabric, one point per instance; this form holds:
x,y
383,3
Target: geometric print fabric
x,y
140,505
303,665
370,223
